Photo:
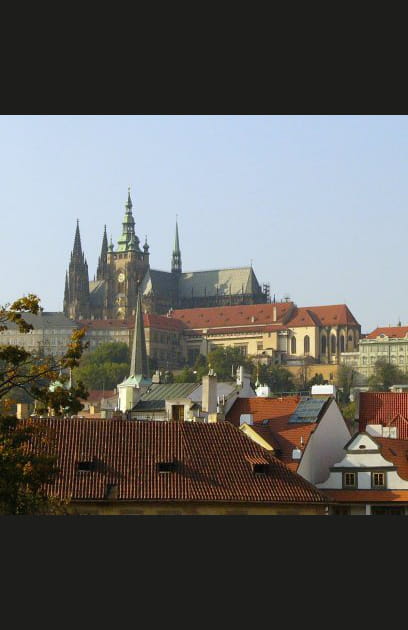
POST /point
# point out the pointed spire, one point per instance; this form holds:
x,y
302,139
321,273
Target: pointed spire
x,y
129,204
146,246
176,258
102,262
138,363
77,250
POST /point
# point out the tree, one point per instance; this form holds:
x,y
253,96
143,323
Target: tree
x,y
26,458
27,372
344,381
104,367
25,466
385,374
224,361
187,375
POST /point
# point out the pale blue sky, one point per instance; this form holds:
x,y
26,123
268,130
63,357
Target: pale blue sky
x,y
319,203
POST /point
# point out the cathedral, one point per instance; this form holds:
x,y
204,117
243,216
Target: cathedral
x,y
125,270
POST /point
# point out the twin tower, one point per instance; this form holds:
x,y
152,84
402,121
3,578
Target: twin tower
x,y
121,273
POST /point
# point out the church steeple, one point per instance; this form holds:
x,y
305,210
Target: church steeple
x,y
128,229
138,365
76,294
176,258
102,262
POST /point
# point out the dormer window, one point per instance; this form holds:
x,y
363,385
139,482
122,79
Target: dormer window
x,y
377,480
86,465
362,446
349,480
166,467
260,469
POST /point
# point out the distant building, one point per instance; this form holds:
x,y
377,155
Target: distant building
x,y
278,332
121,270
50,335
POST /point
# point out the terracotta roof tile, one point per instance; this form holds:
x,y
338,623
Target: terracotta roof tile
x,y
390,331
386,408
211,463
232,316
367,496
276,412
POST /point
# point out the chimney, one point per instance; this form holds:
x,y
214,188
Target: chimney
x,y
274,313
209,395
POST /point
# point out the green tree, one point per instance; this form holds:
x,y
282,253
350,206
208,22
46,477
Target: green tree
x,y
26,458
385,374
25,466
32,375
104,367
224,361
277,377
187,375
345,379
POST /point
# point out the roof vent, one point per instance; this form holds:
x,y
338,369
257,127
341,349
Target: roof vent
x,y
296,453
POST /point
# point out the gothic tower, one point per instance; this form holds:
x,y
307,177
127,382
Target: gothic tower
x,y
176,258
125,269
76,294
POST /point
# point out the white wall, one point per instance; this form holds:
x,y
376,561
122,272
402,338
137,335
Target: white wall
x,y
325,445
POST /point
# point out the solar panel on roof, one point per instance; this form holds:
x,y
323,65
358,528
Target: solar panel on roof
x,y
308,410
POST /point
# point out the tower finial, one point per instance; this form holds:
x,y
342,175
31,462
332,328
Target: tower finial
x,y
129,204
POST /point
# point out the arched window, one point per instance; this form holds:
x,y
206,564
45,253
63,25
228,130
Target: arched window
x,y
341,343
306,344
324,344
293,345
333,344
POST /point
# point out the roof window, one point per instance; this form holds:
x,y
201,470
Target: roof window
x,y
260,469
86,465
166,467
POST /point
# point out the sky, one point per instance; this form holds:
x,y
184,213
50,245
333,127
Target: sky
x,y
317,203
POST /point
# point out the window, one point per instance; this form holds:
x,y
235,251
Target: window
x,y
166,467
260,469
243,350
306,344
349,480
333,344
341,343
259,345
324,344
87,465
293,345
378,480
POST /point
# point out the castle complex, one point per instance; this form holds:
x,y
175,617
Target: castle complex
x,y
124,270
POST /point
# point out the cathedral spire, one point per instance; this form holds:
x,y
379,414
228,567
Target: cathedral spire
x,y
102,262
129,204
76,294
176,258
77,249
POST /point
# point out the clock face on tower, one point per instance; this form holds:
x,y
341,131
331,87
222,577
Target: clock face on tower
x,y
121,277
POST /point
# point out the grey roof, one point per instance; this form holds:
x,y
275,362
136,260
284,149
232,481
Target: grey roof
x,y
223,389
163,283
158,393
97,292
46,319
201,283
308,410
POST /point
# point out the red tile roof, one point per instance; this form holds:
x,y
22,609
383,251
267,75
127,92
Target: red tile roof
x,y
150,320
277,411
212,463
395,451
333,315
367,496
390,331
386,408
232,316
